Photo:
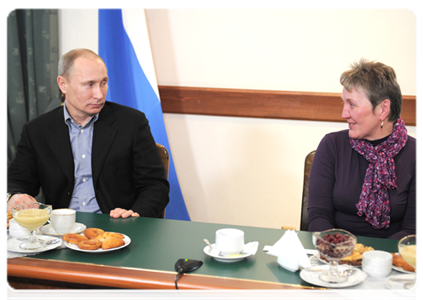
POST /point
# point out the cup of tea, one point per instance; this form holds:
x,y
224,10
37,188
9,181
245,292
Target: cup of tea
x,y
229,241
62,220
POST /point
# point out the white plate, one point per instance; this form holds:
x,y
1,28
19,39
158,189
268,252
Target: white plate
x,y
312,276
399,269
13,245
394,267
207,250
49,230
126,239
398,286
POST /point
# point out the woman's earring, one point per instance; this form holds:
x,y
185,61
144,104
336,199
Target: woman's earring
x,y
381,125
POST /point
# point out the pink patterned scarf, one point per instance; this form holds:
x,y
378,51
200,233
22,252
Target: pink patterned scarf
x,y
380,175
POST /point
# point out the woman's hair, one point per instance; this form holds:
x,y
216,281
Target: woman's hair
x,y
378,81
67,60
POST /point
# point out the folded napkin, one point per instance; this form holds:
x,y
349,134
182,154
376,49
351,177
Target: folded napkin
x,y
290,252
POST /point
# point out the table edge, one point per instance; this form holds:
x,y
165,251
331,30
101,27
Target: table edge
x,y
129,278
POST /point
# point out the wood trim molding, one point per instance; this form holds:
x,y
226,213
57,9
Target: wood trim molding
x,y
25,272
309,106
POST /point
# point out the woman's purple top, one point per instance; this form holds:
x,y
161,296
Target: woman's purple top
x,y
336,178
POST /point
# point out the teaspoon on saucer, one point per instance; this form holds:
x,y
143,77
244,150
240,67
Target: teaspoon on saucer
x,y
213,250
49,242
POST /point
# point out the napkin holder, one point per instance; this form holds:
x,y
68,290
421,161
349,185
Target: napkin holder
x,y
290,252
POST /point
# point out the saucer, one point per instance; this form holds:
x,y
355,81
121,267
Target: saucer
x,y
231,259
49,230
13,245
398,286
311,276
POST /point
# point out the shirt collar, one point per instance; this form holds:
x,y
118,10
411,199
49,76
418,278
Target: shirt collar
x,y
69,119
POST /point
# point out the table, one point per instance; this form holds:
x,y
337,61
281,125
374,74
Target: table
x,y
148,261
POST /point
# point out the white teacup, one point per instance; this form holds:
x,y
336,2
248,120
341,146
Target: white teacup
x,y
229,241
62,220
377,263
16,230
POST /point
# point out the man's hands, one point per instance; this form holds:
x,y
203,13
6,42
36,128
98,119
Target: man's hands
x,y
18,199
122,213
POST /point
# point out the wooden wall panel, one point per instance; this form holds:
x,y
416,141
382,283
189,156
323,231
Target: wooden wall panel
x,y
311,106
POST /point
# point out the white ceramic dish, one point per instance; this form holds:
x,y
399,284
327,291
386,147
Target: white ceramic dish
x,y
312,276
15,230
13,245
398,286
207,250
49,230
126,239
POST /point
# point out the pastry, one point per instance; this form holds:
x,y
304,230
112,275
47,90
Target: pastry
x,y
356,256
112,242
92,244
107,235
398,261
74,238
9,217
91,233
95,238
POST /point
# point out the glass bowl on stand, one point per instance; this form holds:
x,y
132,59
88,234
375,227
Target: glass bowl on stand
x,y
407,248
334,244
32,215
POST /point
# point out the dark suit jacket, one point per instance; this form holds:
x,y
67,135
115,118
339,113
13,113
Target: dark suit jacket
x,y
126,167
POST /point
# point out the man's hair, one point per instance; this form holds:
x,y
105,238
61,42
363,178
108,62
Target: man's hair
x,y
378,81
67,60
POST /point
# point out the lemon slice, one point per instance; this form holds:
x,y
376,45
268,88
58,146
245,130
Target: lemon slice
x,y
234,255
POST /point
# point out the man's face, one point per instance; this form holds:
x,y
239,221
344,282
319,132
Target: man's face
x,y
85,88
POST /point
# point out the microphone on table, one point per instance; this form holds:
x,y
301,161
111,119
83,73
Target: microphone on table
x,y
185,265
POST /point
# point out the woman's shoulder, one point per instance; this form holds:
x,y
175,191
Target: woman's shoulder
x,y
411,140
336,137
334,143
411,144
342,134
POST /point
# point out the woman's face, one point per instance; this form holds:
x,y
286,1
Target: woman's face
x,y
363,122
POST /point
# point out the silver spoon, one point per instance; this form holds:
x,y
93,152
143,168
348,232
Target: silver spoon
x,y
347,272
49,242
213,250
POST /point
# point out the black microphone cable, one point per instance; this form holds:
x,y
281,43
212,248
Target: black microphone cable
x,y
185,265
180,272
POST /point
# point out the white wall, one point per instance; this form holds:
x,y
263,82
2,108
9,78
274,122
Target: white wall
x,y
248,171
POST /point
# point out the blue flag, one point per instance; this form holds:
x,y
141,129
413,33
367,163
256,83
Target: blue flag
x,y
125,48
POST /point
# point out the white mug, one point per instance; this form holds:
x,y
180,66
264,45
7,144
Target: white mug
x,y
62,220
229,241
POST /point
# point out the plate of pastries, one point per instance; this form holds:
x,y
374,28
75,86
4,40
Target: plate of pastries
x,y
96,240
356,257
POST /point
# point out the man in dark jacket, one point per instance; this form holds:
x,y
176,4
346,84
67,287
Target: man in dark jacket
x,y
89,154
